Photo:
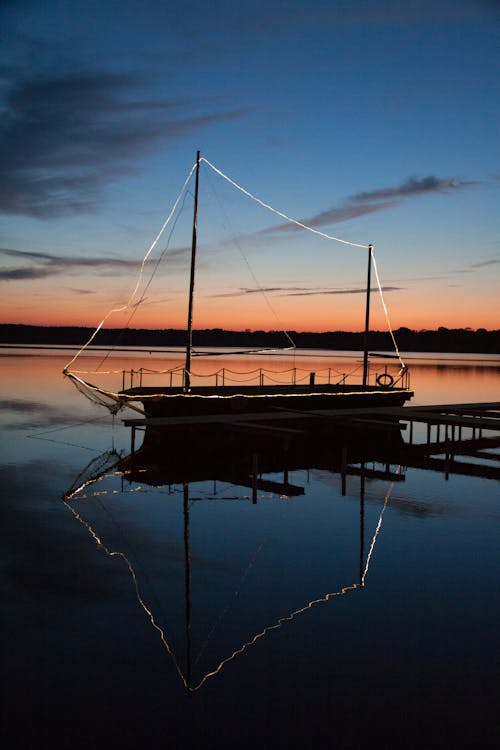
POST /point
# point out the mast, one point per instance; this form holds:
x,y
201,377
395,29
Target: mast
x,y
187,585
367,316
189,336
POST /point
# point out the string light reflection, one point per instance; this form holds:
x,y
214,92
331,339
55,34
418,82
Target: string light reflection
x,y
281,621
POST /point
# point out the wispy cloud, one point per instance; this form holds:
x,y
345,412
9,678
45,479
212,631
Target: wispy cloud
x,y
67,135
484,263
472,267
298,291
345,291
46,264
379,199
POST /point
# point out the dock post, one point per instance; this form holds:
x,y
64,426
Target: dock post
x,y
343,467
132,439
255,473
312,377
447,459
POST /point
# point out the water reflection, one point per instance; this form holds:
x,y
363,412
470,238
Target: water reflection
x,y
144,468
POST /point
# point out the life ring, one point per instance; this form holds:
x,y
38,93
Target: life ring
x,y
385,379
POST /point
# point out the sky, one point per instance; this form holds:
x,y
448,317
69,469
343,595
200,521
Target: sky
x,y
373,121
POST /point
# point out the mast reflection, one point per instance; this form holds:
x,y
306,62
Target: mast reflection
x,y
245,465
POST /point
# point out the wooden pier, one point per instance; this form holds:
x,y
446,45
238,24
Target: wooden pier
x,y
469,430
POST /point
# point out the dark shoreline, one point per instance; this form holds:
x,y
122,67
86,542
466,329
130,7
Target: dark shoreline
x,y
442,340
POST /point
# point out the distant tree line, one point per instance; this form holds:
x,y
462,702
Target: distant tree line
x,y
440,340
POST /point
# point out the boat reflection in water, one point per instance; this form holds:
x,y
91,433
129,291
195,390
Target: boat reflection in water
x,y
256,463
177,464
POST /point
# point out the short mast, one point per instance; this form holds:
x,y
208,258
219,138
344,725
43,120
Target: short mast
x,y
367,316
189,339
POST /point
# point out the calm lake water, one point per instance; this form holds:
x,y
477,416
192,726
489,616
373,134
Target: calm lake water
x,y
186,615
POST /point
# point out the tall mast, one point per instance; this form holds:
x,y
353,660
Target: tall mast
x,y
189,339
367,316
187,585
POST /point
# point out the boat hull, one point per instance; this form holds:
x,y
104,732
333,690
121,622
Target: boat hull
x,y
201,401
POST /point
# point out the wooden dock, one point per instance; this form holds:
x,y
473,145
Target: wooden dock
x,y
469,430
449,420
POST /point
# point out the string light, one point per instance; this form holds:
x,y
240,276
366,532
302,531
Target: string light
x,y
280,213
141,271
119,400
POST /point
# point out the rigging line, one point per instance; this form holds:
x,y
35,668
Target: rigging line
x,y
141,270
138,568
376,532
68,426
288,618
234,239
64,442
230,603
280,213
385,309
111,553
153,272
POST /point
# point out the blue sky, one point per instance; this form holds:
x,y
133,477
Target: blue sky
x,y
372,121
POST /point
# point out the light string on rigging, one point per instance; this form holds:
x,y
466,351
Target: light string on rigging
x,y
280,213
131,300
386,312
250,269
135,306
141,270
314,231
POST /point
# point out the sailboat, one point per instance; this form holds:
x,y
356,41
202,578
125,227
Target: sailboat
x,y
189,400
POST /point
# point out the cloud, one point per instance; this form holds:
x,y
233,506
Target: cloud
x,y
412,186
25,414
304,291
478,264
67,135
46,264
484,263
24,274
372,201
344,291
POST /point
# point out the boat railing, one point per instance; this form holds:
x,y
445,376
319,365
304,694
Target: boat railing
x,y
385,376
